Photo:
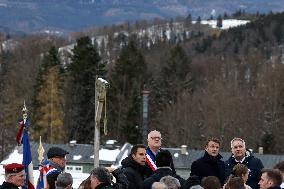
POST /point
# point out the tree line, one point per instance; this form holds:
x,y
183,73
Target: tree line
x,y
223,84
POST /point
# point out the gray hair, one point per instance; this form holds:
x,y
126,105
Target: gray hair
x,y
63,180
171,182
154,131
159,185
238,139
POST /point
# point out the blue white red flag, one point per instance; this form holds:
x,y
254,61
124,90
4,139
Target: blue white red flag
x,y
27,157
42,180
151,160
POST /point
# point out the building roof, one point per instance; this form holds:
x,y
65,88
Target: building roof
x,y
80,153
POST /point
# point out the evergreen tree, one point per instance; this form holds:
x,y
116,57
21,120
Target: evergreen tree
x,y
126,84
175,75
80,105
219,22
48,101
198,21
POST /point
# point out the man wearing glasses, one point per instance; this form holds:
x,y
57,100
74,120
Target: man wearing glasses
x,y
55,165
14,176
154,146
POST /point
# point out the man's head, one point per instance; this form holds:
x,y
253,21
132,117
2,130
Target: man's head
x,y
64,180
238,147
164,159
235,183
100,175
57,155
211,182
280,166
159,185
154,140
270,178
15,174
212,146
171,182
138,153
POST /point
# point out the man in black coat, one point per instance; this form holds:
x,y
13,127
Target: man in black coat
x,y
101,178
210,164
163,162
243,156
134,166
14,176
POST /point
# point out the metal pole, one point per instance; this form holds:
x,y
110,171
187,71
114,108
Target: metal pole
x,y
97,131
145,115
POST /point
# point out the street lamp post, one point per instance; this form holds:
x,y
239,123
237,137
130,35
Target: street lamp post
x,y
145,99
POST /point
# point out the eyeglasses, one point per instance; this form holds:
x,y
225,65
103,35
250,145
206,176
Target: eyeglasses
x,y
156,138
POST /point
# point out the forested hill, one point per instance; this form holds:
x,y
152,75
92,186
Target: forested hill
x,y
215,83
74,15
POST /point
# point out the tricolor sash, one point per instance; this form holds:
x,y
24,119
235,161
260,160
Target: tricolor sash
x,y
151,159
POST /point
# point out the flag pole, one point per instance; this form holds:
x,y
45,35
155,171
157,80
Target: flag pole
x,y
27,156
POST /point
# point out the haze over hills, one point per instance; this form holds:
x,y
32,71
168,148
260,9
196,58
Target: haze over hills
x,y
74,15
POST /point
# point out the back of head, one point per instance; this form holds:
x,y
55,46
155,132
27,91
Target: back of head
x,y
64,180
102,174
171,182
239,170
280,166
159,185
164,159
211,182
86,184
235,183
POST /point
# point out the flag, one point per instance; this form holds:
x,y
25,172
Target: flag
x,y
19,136
42,181
27,157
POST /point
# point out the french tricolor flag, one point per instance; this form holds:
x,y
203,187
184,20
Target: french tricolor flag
x,y
27,155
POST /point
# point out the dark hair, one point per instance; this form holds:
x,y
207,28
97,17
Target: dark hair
x,y
164,159
134,149
239,170
279,166
211,182
64,180
213,139
102,174
86,184
235,183
274,175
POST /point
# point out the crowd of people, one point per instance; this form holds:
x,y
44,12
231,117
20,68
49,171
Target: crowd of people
x,y
151,167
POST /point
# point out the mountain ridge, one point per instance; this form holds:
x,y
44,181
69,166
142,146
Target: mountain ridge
x,y
70,15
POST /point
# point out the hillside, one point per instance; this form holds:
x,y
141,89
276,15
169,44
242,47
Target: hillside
x,y
74,15
203,82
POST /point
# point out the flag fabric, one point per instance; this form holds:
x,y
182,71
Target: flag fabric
x,y
20,133
42,180
27,156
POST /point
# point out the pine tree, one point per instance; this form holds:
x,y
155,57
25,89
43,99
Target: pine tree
x,y
219,22
175,75
48,110
80,101
126,84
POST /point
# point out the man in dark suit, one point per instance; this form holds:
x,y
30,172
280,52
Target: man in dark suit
x,y
210,164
